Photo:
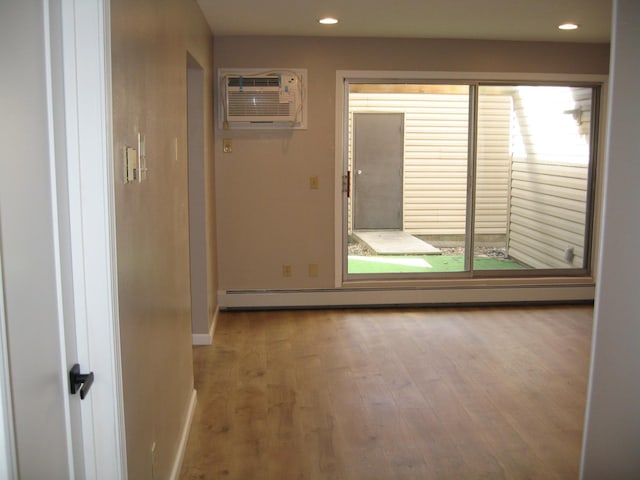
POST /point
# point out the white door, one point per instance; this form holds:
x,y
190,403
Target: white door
x,y
31,260
8,466
55,230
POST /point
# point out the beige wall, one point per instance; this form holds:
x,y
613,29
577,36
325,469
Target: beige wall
x,y
150,41
268,214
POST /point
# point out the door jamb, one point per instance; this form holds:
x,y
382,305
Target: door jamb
x,y
88,138
8,460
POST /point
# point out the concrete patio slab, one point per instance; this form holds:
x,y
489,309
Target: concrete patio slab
x,y
395,242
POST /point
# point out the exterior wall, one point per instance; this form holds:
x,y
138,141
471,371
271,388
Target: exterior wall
x,y
548,208
435,159
150,41
549,197
493,164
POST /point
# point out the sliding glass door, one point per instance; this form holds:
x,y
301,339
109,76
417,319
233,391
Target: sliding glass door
x,y
532,185
440,171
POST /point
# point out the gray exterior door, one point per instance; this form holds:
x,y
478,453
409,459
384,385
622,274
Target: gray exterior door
x,y
378,151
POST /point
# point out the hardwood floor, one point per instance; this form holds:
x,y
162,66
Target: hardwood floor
x,y
435,393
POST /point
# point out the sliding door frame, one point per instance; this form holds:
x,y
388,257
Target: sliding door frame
x,y
473,81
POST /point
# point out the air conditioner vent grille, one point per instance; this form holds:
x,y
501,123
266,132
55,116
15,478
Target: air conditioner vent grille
x,y
254,81
267,98
266,104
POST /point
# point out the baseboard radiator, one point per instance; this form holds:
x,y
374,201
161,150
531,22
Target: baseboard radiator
x,y
381,297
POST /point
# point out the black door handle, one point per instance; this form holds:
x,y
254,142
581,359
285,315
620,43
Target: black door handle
x,y
80,382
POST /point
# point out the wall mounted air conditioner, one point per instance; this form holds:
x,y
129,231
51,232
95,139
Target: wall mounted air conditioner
x,y
273,98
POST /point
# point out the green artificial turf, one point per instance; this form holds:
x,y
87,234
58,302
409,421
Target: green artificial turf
x,y
424,263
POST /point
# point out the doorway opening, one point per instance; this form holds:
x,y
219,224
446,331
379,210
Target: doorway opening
x,y
197,201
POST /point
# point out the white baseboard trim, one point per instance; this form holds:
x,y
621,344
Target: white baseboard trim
x,y
184,437
359,297
206,338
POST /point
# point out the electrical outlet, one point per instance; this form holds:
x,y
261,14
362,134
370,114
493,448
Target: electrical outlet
x,y
313,269
314,182
286,270
153,462
227,145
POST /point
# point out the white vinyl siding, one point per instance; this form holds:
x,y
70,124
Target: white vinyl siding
x,y
549,191
493,164
435,176
435,159
548,211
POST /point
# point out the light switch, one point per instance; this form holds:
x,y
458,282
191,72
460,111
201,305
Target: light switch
x,y
175,149
130,164
314,183
142,158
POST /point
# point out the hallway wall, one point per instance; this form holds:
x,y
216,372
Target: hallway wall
x,y
150,41
612,429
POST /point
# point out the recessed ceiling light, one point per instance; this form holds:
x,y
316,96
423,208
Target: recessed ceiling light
x,y
568,26
328,21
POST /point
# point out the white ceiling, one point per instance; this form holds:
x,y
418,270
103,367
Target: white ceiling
x,y
533,20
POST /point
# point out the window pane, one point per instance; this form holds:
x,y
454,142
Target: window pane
x,y
429,236
532,177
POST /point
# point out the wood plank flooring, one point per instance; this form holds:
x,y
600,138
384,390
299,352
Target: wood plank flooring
x,y
435,393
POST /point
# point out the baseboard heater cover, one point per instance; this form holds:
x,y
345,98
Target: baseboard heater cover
x,y
358,297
